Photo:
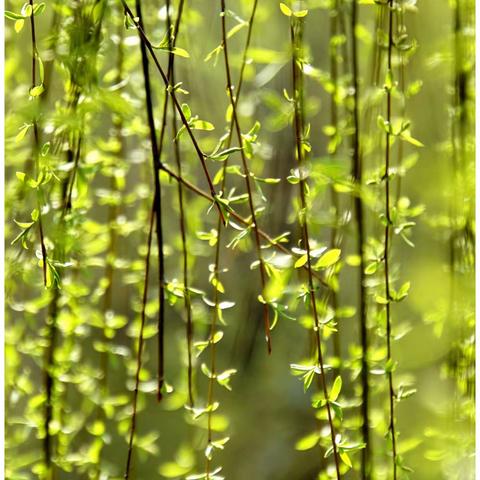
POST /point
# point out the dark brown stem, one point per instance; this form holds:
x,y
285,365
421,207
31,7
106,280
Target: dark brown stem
x,y
247,174
219,238
183,234
70,185
157,205
144,41
236,216
297,89
140,345
360,227
334,232
36,148
387,243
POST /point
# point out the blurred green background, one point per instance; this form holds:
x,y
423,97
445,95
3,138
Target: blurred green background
x,y
267,409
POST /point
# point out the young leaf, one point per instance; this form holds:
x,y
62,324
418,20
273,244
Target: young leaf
x,y
285,10
337,387
329,258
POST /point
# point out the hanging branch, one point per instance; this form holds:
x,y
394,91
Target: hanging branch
x,y
401,30
388,223
147,269
271,241
133,422
170,89
176,151
247,174
334,231
51,330
157,206
219,237
298,126
360,228
36,146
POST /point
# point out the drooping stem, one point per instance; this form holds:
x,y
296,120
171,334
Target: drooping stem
x,y
388,223
202,193
36,147
157,206
360,230
140,345
52,314
401,30
334,231
247,174
303,219
171,91
211,383
49,380
178,161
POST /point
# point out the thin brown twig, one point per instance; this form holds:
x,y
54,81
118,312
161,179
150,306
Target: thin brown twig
x,y
140,347
387,244
36,148
298,126
157,205
247,174
219,238
182,219
360,228
171,91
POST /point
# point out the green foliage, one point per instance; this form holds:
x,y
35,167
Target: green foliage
x,y
202,194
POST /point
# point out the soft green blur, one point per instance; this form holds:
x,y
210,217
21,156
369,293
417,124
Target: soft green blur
x,y
267,409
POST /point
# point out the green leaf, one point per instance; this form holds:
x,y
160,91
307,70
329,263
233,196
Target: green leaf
x,y
181,52
381,300
22,132
217,337
24,225
308,379
346,459
186,111
389,80
301,261
300,13
37,90
218,285
308,442
285,10
173,470
403,291
38,8
41,69
27,10
371,268
13,16
236,29
19,25
329,258
337,387
224,153
202,125
408,138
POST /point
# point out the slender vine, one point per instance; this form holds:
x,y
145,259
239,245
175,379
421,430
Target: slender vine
x,y
388,223
133,423
247,174
360,228
296,23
